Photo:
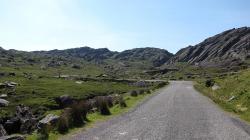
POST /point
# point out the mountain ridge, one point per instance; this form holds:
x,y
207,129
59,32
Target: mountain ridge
x,y
153,57
226,48
229,48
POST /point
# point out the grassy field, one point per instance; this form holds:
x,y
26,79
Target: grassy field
x,y
190,72
233,94
37,70
40,90
96,117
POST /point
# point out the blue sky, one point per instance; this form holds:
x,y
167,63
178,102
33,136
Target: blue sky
x,y
116,24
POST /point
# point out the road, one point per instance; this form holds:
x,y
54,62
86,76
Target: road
x,y
177,112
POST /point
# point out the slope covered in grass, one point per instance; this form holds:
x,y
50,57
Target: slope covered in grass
x,y
233,93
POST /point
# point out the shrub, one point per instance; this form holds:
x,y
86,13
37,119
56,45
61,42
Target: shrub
x,y
148,91
133,93
189,76
84,107
110,101
161,84
43,134
76,114
140,92
102,105
122,102
63,124
75,66
209,83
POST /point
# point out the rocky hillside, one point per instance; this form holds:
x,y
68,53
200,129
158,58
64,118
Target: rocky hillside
x,y
155,56
85,53
229,48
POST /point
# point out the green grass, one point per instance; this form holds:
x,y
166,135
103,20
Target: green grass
x,y
96,117
88,69
38,92
237,85
41,92
185,69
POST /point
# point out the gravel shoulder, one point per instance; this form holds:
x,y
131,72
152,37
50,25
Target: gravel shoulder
x,y
177,112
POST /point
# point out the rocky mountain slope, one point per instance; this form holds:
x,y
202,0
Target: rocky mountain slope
x,y
229,48
85,53
152,57
155,56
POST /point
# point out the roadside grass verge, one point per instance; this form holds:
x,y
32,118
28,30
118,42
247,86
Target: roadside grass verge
x,y
233,94
97,117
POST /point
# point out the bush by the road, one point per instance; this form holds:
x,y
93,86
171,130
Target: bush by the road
x,y
161,84
133,93
63,124
122,102
102,105
209,83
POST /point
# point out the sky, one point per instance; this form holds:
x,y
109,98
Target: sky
x,y
116,24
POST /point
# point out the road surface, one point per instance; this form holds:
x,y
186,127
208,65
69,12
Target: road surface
x,y
177,112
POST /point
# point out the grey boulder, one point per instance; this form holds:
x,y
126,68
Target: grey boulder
x,y
12,137
2,131
3,103
50,119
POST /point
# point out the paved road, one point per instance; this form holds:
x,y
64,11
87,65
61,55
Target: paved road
x,y
178,112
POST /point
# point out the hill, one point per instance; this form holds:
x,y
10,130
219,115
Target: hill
x,y
88,61
155,56
229,48
85,53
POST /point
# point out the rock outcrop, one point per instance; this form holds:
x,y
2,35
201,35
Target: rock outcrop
x,y
50,119
230,48
3,103
23,122
12,137
2,131
155,56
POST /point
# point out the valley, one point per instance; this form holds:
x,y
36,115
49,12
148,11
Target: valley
x,y
40,87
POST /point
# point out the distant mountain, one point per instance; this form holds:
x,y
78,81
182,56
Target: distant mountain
x,y
155,56
85,53
148,57
229,48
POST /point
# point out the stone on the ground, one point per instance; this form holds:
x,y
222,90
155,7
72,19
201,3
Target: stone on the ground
x,y
8,84
2,131
12,137
23,122
231,98
78,82
3,96
50,119
26,118
3,103
215,87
